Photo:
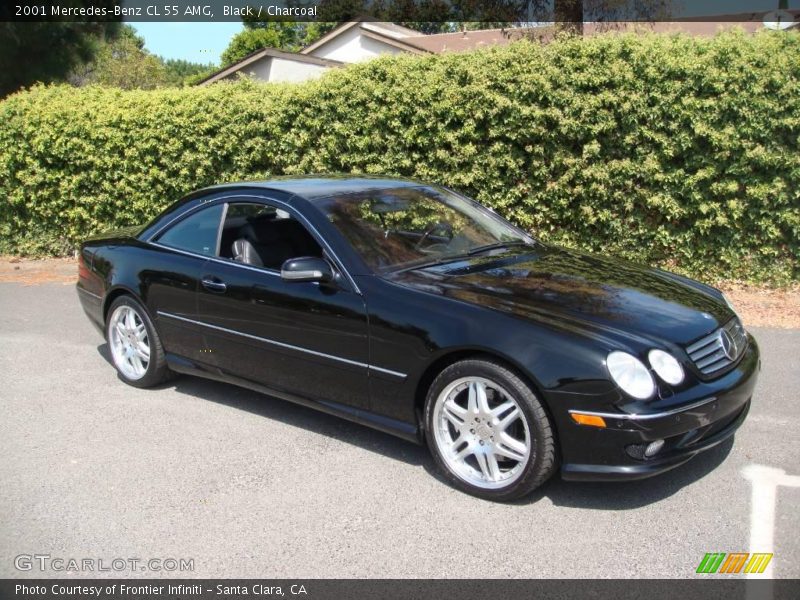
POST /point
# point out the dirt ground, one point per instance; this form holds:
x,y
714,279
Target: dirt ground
x,y
758,306
33,272
765,307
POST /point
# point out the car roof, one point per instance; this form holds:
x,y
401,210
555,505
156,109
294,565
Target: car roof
x,y
314,187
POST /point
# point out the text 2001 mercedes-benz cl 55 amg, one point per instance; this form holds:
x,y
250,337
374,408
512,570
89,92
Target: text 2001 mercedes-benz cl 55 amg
x,y
412,309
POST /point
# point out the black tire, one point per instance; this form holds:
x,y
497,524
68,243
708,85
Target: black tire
x,y
541,462
156,371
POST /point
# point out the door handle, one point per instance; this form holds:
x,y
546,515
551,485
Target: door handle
x,y
213,284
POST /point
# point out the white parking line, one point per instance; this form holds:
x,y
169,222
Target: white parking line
x,y
764,483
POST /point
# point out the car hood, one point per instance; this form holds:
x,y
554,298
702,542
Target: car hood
x,y
572,287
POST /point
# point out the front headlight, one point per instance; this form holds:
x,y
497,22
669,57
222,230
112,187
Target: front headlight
x,y
631,375
666,366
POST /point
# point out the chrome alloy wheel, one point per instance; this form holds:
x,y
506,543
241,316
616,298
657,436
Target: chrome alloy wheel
x,y
130,346
481,433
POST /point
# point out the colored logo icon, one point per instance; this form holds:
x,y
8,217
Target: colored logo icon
x,y
735,562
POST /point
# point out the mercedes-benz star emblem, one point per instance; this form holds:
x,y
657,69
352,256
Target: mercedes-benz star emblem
x,y
728,345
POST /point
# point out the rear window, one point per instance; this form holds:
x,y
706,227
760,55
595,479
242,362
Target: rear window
x,y
197,233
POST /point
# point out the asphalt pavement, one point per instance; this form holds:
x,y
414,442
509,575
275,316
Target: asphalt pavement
x,y
244,485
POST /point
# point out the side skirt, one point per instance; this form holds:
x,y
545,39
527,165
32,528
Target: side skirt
x,y
394,427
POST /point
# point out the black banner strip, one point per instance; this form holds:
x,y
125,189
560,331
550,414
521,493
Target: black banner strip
x,y
706,588
431,11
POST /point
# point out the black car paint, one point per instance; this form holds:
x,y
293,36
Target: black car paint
x,y
368,347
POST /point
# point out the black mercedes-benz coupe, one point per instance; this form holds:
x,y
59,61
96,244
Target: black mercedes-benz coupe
x,y
412,309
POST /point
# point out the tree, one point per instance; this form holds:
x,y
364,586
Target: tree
x,y
123,62
428,16
314,31
249,40
283,35
47,52
570,15
435,16
184,72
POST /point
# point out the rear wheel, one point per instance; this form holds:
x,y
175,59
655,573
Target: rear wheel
x,y
134,344
488,432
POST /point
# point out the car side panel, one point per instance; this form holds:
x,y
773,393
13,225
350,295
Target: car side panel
x,y
90,287
301,338
163,280
411,330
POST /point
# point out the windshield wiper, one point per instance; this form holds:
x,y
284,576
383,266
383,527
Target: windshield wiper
x,y
496,246
429,263
447,258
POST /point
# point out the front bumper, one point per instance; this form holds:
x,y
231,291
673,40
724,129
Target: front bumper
x,y
688,428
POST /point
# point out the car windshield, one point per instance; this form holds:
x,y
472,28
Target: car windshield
x,y
410,227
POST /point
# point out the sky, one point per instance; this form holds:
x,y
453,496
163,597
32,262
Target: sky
x,y
197,42
205,42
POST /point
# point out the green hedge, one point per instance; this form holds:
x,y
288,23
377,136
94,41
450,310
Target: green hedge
x,y
677,151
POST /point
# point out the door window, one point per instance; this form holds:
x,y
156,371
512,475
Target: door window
x,y
261,235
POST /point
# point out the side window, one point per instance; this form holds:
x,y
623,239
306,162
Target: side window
x,y
261,235
196,233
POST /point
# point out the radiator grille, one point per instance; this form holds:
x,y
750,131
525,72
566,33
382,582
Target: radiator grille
x,y
719,349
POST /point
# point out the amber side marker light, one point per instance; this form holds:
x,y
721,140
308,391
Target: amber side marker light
x,y
592,420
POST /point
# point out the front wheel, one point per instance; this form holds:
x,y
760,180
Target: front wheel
x,y
134,344
488,432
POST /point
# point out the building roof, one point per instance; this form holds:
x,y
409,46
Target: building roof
x,y
264,52
401,43
335,32
462,41
386,32
390,28
411,40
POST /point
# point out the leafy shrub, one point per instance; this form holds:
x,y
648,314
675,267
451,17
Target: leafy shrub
x,y
677,151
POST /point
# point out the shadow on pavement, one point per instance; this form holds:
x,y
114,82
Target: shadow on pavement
x,y
595,495
293,414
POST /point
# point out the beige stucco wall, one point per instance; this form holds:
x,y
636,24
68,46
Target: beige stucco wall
x,y
279,69
351,46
